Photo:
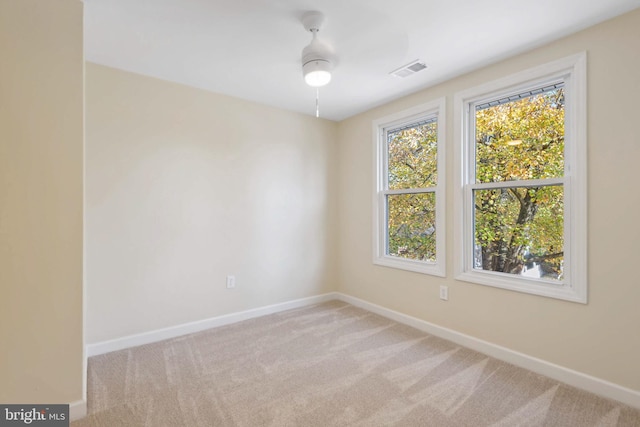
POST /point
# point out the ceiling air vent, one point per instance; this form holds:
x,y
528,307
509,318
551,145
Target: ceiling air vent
x,y
409,69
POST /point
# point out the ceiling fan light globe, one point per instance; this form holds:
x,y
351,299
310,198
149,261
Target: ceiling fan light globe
x,y
317,78
317,73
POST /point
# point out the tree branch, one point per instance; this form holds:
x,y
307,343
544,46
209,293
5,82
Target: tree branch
x,y
515,193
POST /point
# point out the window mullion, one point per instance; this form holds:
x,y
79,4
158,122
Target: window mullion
x,y
411,190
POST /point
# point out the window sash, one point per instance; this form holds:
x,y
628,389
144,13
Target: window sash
x,y
565,247
388,131
387,136
387,228
471,184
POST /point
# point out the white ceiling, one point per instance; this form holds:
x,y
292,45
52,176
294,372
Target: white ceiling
x,y
251,48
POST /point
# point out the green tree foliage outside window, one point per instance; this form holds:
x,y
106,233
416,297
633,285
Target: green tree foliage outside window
x,y
519,227
411,215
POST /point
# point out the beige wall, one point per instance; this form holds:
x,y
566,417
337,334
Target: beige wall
x,y
184,187
601,338
41,138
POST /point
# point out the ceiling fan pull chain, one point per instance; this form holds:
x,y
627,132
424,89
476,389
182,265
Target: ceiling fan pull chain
x,y
317,102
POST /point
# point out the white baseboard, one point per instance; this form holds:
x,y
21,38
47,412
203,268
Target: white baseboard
x,y
568,376
77,410
200,325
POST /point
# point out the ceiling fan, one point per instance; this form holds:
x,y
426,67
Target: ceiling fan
x,y
361,47
316,56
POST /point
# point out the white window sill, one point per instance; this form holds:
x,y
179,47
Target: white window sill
x,y
532,286
423,267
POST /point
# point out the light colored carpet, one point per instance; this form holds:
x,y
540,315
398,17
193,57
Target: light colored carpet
x,y
329,365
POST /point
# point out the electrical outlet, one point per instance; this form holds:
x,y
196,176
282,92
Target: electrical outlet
x,y
444,293
231,282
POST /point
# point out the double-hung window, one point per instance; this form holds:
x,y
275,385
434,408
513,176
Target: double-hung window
x,y
521,202
409,194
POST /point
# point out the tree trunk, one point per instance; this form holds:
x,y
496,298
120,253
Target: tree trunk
x,y
507,257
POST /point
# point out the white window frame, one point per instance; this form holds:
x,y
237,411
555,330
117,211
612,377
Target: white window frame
x,y
380,257
572,71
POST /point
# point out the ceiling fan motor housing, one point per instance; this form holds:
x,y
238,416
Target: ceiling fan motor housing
x,y
315,51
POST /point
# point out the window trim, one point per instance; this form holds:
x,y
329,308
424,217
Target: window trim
x,y
436,109
572,70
